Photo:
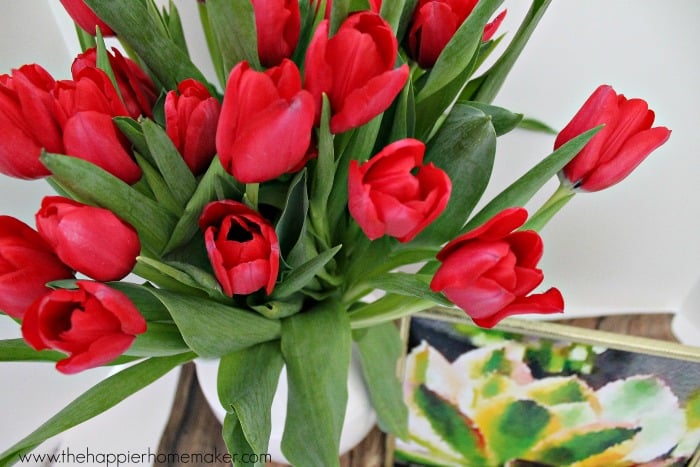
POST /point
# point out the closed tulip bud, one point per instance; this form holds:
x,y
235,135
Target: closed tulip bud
x,y
93,324
355,68
618,148
137,90
489,271
242,246
91,240
395,194
191,116
265,124
28,122
434,23
85,17
278,25
27,263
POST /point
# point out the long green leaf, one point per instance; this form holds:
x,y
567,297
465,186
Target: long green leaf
x,y
464,147
136,24
408,284
212,329
291,226
233,24
99,398
247,382
503,120
159,340
520,191
457,54
380,349
17,350
316,347
496,75
98,187
387,308
322,178
302,275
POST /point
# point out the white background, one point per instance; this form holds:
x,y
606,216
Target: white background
x,y
632,248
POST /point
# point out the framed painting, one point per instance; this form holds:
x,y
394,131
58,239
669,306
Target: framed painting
x,y
539,394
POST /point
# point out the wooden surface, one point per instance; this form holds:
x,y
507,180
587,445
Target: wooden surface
x,y
192,426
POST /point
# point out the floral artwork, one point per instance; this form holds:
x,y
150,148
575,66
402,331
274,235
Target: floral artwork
x,y
489,398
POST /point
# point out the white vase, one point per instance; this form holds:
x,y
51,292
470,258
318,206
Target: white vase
x,y
359,415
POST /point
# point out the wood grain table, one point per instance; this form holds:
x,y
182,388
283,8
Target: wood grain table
x,y
192,427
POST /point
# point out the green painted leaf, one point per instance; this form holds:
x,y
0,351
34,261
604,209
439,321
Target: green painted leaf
x,y
522,190
692,410
515,429
454,427
99,398
316,346
465,148
581,446
247,381
380,349
152,222
233,24
213,329
457,54
144,32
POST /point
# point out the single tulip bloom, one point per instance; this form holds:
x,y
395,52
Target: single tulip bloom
x,y
265,124
278,25
28,122
86,18
434,23
618,148
191,117
91,240
90,90
137,90
242,246
27,263
489,271
395,194
355,68
93,324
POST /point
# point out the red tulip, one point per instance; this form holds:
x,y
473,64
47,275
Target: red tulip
x,y
190,121
435,22
617,149
28,122
266,122
94,324
355,68
85,17
91,89
242,246
490,271
27,263
91,240
137,90
278,24
395,194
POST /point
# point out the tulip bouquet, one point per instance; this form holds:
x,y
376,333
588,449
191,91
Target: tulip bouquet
x,y
343,144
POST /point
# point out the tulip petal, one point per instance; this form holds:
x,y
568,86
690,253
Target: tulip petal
x,y
548,302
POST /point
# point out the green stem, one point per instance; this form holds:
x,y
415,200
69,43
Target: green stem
x,y
251,195
552,206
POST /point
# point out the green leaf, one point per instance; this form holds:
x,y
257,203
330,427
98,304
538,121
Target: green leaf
x,y
236,442
99,398
212,45
144,32
159,340
17,350
340,9
532,124
213,329
291,226
387,308
152,222
464,147
170,163
454,427
134,133
173,24
233,24
316,348
278,309
503,120
172,275
214,184
322,177
299,277
516,428
158,186
246,382
392,12
458,53
583,445
412,285
496,75
380,349
523,189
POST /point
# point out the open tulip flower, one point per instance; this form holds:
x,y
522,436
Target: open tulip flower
x,y
256,219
